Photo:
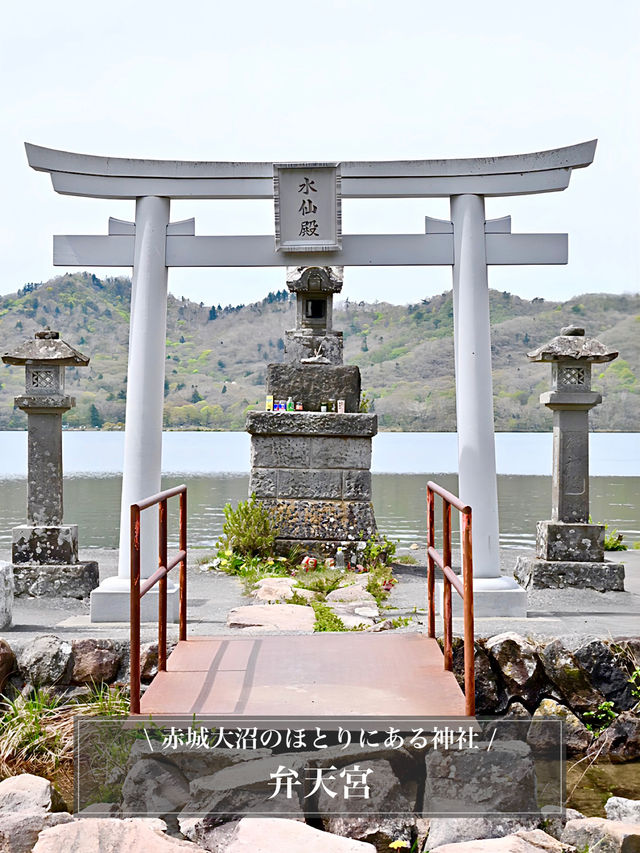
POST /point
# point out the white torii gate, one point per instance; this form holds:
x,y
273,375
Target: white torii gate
x,y
468,243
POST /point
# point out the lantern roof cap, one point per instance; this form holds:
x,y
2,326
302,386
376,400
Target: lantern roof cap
x,y
572,343
47,347
315,279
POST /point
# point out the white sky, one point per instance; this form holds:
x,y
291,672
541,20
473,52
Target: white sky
x,y
332,80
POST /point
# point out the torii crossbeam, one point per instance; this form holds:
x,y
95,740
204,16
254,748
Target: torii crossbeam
x,y
467,242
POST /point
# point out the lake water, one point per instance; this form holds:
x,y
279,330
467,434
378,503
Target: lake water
x,y
215,467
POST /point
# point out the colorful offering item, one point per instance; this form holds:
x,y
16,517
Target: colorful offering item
x,y
309,563
330,563
341,408
269,403
299,407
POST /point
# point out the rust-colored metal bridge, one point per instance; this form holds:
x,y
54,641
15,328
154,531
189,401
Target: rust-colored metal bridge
x,y
306,675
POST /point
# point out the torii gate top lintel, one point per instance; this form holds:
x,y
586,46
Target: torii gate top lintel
x,y
116,177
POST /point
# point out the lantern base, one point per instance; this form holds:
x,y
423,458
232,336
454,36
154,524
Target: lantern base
x,y
547,574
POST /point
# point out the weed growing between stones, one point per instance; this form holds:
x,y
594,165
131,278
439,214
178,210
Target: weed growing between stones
x,y
598,720
326,619
36,730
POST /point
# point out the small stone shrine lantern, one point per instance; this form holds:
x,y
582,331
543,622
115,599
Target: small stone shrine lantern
x,y
314,335
570,549
44,550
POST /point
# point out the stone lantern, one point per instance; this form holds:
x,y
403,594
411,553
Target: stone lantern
x,y
45,550
569,548
314,336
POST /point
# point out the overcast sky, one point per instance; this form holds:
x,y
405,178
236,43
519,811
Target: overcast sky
x,y
330,80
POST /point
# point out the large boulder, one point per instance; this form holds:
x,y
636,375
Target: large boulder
x,y
110,835
46,660
569,677
94,661
7,662
28,804
154,787
385,795
267,835
542,736
520,667
608,672
622,809
523,841
605,836
491,697
19,831
447,831
29,793
621,740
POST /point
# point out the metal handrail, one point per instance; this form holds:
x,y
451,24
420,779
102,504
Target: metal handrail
x,y
138,589
464,588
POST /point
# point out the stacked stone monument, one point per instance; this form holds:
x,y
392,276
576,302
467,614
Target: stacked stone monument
x,y
312,468
569,547
45,549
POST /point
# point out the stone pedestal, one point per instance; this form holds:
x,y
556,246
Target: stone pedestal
x,y
312,470
74,580
488,593
110,602
6,595
546,574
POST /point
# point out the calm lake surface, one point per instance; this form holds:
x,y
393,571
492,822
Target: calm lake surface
x,y
215,468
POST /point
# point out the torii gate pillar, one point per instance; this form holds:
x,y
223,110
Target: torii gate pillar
x,y
492,593
145,397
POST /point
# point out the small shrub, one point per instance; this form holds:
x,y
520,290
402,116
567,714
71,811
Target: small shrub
x,y
248,529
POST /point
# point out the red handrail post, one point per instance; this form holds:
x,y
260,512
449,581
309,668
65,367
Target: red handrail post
x,y
134,611
431,573
447,607
162,586
183,565
469,639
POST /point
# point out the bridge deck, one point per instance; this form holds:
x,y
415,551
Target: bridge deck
x,y
342,674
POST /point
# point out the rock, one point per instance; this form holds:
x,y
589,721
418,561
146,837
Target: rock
x,y
554,825
542,736
94,661
355,616
149,659
386,795
154,787
570,678
74,580
6,595
490,694
110,835
19,831
607,672
46,660
414,546
619,808
29,793
452,831
100,810
350,595
279,589
518,662
279,617
385,625
621,740
476,780
605,836
244,788
7,662
266,835
547,574
523,841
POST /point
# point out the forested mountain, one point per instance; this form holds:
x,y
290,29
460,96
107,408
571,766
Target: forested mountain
x,y
217,357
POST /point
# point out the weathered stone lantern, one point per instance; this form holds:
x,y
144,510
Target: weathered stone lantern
x,y
314,335
45,550
569,548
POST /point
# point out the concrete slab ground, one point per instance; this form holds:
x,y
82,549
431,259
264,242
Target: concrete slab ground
x,y
551,613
